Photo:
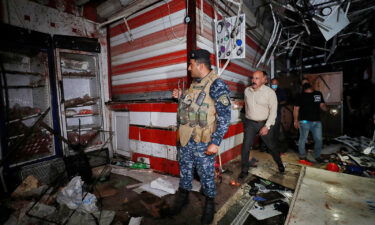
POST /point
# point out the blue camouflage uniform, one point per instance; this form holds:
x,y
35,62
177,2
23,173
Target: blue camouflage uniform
x,y
192,155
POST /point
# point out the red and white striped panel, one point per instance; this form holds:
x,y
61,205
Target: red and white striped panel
x,y
152,134
151,56
238,73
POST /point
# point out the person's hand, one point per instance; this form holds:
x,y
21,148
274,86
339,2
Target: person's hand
x,y
212,149
296,124
176,93
263,131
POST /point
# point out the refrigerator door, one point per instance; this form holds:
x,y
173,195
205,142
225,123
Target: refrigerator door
x,y
80,100
26,93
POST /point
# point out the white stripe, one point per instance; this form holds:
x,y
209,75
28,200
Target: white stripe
x,y
204,41
141,12
163,119
150,51
154,149
170,152
152,77
178,70
149,28
235,77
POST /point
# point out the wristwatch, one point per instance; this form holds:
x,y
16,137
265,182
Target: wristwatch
x,y
267,127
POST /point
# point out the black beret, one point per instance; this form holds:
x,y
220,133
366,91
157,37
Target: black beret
x,y
199,54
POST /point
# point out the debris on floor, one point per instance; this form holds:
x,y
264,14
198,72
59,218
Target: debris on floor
x,y
135,221
261,200
268,171
154,183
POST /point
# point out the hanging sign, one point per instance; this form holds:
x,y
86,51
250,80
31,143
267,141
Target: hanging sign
x,y
230,37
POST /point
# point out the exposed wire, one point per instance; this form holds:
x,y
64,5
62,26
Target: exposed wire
x,y
275,45
201,17
183,39
274,32
128,28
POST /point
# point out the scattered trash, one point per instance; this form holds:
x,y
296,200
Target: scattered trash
x,y
270,197
264,212
362,160
164,185
139,165
71,196
355,170
30,186
333,167
105,217
282,206
356,143
305,162
259,199
135,221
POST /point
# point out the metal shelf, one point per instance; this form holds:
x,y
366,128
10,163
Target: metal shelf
x,y
82,115
82,105
81,75
87,127
24,118
25,86
23,72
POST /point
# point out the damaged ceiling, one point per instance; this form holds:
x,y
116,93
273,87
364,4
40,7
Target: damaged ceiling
x,y
312,35
318,35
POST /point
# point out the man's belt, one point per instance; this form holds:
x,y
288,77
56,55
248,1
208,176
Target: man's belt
x,y
258,121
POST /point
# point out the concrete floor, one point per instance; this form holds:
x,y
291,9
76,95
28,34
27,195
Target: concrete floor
x,y
128,204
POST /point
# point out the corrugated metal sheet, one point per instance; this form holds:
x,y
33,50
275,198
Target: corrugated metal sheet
x,y
150,58
148,61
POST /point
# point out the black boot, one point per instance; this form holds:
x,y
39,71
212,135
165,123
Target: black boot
x,y
209,211
281,167
180,201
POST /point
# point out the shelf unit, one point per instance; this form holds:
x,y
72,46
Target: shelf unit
x,y
80,94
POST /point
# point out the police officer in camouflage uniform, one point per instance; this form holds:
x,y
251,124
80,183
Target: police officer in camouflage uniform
x,y
204,115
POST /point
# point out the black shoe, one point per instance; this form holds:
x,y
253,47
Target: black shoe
x,y
180,201
243,175
209,211
281,168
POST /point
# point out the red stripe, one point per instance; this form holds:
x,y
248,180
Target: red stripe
x,y
164,137
172,167
230,154
236,87
208,9
145,107
148,86
147,17
153,62
169,33
240,70
134,133
234,129
160,164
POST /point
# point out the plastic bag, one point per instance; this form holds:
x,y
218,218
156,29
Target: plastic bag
x,y
71,195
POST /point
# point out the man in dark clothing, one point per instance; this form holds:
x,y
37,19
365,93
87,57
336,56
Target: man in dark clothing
x,y
281,101
306,115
